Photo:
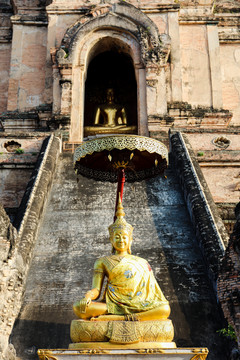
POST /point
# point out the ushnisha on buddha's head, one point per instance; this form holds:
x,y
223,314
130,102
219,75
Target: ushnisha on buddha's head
x,y
120,232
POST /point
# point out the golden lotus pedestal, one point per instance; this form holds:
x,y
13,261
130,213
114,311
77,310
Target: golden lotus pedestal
x,y
109,334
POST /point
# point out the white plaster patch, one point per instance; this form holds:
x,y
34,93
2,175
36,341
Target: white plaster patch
x,y
33,100
4,76
151,97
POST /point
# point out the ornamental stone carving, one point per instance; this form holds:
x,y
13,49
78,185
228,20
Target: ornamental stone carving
x,y
154,50
155,47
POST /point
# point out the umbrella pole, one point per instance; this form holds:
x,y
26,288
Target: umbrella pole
x,y
121,181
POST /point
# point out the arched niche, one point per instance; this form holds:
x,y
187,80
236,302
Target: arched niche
x,y
110,66
122,28
86,51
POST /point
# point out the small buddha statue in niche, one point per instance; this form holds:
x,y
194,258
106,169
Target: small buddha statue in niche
x,y
113,114
132,292
110,118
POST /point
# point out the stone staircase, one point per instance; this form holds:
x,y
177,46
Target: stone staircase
x,y
73,233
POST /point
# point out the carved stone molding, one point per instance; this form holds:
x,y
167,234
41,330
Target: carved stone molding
x,y
154,51
126,18
66,84
221,141
152,82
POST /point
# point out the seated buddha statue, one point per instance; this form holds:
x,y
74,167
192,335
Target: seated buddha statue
x,y
112,114
109,118
132,292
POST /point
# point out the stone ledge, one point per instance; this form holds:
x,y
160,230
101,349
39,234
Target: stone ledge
x,y
83,9
182,115
187,20
39,20
30,120
206,121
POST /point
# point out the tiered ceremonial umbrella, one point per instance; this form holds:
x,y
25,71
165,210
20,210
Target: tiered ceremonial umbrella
x,y
121,158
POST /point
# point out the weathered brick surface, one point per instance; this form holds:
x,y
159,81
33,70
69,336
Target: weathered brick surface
x,y
32,6
16,169
12,186
6,11
5,55
195,65
25,121
230,63
14,269
161,20
74,233
229,278
204,141
27,78
8,235
223,182
195,69
227,6
220,167
12,94
31,145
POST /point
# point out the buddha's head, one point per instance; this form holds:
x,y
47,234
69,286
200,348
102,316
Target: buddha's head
x,y
110,95
120,232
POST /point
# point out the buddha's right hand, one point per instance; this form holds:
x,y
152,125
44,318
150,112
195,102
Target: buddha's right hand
x,y
83,304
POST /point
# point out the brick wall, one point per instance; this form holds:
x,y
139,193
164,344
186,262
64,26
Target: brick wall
x,y
229,278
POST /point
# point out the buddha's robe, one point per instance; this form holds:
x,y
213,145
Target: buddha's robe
x,y
131,286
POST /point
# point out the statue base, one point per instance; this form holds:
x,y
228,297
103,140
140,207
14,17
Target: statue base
x,y
123,354
120,129
122,332
108,348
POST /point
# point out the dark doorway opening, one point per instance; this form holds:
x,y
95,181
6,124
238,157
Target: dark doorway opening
x,y
111,69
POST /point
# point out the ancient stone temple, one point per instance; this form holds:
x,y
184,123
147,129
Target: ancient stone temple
x,y
73,71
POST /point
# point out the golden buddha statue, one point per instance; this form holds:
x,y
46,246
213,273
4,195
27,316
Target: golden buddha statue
x,y
110,118
132,292
113,114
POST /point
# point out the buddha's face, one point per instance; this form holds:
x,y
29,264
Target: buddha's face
x,y
121,241
110,96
